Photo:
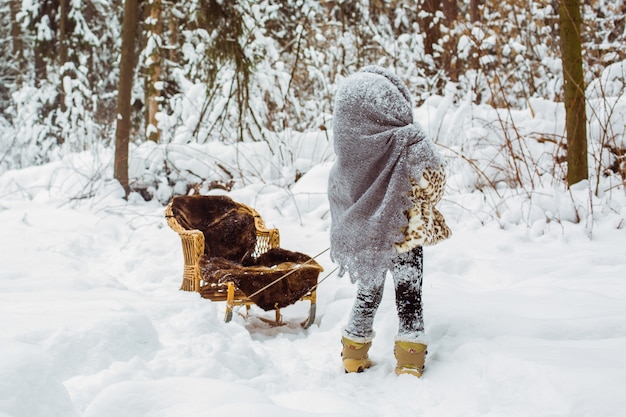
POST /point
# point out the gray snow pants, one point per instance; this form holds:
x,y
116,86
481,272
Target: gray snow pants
x,y
407,277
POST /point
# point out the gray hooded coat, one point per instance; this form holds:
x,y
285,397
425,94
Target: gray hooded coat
x,y
379,148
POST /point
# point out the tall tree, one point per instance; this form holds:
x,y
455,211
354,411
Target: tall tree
x,y
474,12
124,91
430,24
44,27
17,40
225,21
574,91
154,48
64,44
450,40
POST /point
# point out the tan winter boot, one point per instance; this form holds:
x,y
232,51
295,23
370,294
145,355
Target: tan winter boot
x,y
410,358
354,355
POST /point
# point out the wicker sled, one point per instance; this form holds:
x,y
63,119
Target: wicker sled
x,y
229,255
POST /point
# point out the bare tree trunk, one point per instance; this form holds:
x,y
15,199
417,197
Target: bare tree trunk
x,y
154,70
474,10
64,6
449,56
450,11
430,25
574,91
127,59
18,42
473,61
173,35
63,46
46,12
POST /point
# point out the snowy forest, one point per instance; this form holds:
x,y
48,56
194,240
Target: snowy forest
x,y
111,108
206,71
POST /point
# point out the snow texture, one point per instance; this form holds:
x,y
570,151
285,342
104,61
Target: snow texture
x,y
524,307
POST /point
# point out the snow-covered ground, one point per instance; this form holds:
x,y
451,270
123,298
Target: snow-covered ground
x,y
92,323
525,310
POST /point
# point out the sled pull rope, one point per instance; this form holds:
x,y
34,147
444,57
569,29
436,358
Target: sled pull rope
x,y
323,279
291,272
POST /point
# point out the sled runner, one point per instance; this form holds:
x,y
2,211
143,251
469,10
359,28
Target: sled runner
x,y
229,255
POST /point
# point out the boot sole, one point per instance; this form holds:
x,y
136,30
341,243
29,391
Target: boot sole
x,y
356,365
409,371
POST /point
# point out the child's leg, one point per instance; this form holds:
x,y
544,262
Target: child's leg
x,y
361,322
407,277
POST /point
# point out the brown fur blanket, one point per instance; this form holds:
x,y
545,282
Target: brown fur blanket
x,y
254,274
228,226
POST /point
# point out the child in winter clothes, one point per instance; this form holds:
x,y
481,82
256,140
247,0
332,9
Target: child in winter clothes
x,y
382,190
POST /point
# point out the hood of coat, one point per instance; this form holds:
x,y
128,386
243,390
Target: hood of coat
x,y
378,147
